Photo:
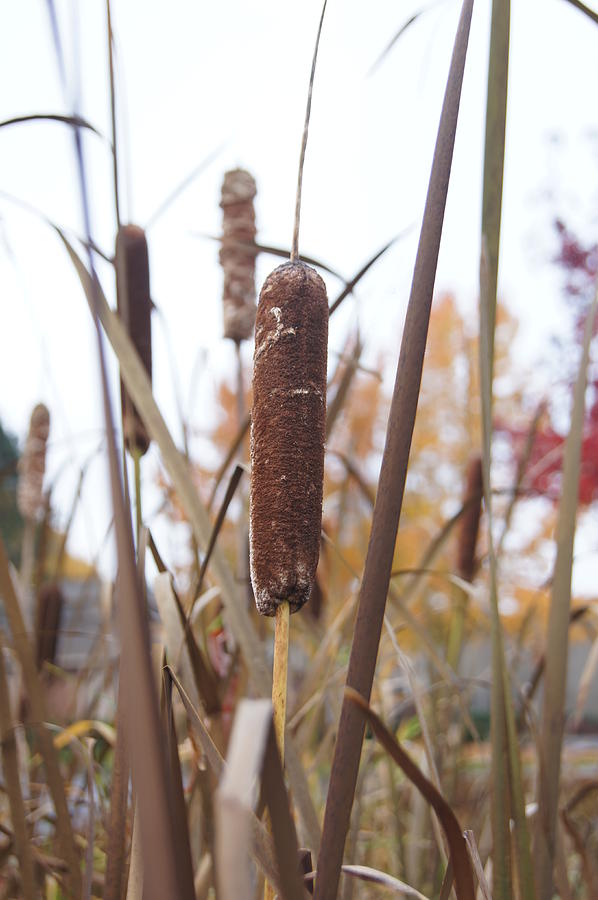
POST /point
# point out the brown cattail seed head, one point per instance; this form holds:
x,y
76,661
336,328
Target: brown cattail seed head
x,y
50,602
134,307
32,464
470,523
237,254
288,423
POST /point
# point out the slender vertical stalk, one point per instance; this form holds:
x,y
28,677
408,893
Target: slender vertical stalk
x,y
389,498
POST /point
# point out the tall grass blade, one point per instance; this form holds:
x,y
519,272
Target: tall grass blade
x,y
494,151
144,732
393,475
64,829
457,844
555,677
115,178
116,852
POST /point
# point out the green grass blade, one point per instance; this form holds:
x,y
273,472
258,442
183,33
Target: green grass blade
x,y
555,677
494,151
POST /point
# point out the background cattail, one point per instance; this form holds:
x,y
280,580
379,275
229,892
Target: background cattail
x,y
237,260
134,307
287,436
47,623
470,523
32,464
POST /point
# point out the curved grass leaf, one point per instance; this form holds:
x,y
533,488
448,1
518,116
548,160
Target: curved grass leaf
x,y
72,121
584,9
393,475
375,876
457,844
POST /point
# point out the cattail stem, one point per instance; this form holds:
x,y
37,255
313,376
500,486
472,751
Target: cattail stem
x,y
295,243
279,672
279,689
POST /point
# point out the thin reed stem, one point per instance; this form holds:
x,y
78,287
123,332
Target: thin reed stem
x,y
295,244
279,673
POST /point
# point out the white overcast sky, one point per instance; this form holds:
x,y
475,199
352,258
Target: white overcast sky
x,y
194,77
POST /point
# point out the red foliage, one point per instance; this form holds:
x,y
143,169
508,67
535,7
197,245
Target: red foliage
x,y
580,266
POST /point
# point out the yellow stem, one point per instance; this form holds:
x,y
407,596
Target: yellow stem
x,y
279,689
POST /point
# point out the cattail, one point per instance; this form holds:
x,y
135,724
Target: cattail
x,y
134,307
287,436
470,524
50,602
32,464
237,254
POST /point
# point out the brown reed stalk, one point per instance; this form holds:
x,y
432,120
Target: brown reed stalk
x,y
134,307
237,254
50,601
393,474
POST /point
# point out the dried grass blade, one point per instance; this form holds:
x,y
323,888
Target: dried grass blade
x,y
253,760
116,853
474,853
73,121
91,824
279,252
375,876
262,842
230,456
555,677
10,768
177,794
180,639
64,829
459,856
394,40
393,474
494,150
335,406
352,284
506,781
585,682
584,9
230,493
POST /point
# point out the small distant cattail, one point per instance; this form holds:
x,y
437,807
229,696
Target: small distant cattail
x,y
237,255
32,464
134,307
470,524
287,436
47,624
